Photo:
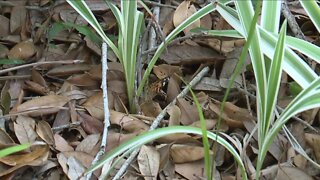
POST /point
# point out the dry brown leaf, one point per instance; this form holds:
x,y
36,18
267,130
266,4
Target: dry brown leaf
x,y
208,84
164,70
186,153
90,124
84,158
14,160
18,18
67,70
149,162
292,173
115,139
83,80
3,49
193,170
88,144
43,105
192,9
233,115
4,28
183,11
206,22
175,115
61,144
94,105
76,169
35,87
150,108
127,122
313,140
177,138
45,132
5,139
173,89
38,78
166,164
62,118
36,162
210,123
24,129
189,113
188,54
22,50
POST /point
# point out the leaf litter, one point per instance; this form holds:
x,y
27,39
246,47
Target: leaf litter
x,y
59,108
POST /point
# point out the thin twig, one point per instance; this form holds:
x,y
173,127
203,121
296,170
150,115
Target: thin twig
x,y
292,21
39,64
158,119
105,107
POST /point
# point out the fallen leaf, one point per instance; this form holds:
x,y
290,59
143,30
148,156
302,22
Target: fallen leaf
x,y
90,124
94,105
186,153
24,129
14,160
188,54
150,108
76,169
149,162
18,18
292,173
127,122
22,50
313,140
45,132
61,144
189,113
4,28
5,139
175,115
43,105
88,144
192,170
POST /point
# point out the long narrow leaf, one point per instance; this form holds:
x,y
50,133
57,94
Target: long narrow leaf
x,y
82,8
273,89
313,10
13,149
245,13
293,64
199,14
275,77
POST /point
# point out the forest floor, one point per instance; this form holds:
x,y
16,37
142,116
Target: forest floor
x,y
51,97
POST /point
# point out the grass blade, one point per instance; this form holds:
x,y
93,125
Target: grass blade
x,y
13,149
152,135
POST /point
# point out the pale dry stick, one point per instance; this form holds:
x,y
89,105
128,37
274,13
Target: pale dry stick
x,y
105,107
292,21
39,64
158,119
